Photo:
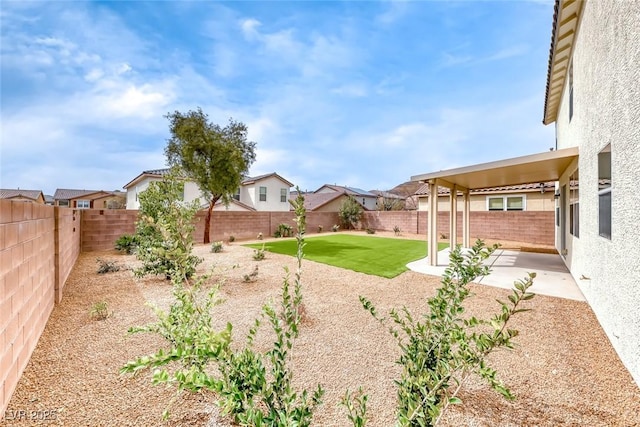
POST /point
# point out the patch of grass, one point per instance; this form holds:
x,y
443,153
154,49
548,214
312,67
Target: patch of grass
x,y
378,256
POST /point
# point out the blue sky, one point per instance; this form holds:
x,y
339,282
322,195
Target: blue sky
x,y
364,94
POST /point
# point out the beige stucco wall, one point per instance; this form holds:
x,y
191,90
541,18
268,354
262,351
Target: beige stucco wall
x,y
332,206
606,78
534,201
250,195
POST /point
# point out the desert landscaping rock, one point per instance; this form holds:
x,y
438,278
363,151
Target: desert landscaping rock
x,y
563,370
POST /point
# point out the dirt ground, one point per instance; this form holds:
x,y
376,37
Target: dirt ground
x,y
563,371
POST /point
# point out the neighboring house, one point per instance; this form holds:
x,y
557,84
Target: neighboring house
x,y
48,200
89,199
324,202
525,197
33,196
367,199
593,97
269,192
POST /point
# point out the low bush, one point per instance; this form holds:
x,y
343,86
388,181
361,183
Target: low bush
x,y
232,239
105,267
251,277
99,311
396,230
259,254
127,243
370,230
216,247
335,228
320,228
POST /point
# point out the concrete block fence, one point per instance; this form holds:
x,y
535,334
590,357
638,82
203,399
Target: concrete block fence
x,y
40,244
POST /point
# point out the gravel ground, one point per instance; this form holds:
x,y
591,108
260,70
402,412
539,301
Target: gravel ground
x,y
563,371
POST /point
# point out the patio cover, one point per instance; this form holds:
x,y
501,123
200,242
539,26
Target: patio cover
x,y
542,167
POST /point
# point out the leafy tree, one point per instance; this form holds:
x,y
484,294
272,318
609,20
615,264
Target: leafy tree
x,y
350,212
216,158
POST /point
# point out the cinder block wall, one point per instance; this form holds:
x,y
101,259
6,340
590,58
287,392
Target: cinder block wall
x,y
535,227
67,245
27,286
102,227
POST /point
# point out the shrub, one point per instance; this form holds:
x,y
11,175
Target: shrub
x,y
232,239
350,212
442,348
126,243
283,230
259,254
164,230
356,407
99,311
335,228
370,230
259,237
396,230
320,228
252,276
105,267
216,247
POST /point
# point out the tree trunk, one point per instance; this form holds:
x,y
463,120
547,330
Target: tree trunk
x,y
207,220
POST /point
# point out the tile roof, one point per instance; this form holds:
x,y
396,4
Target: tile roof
x,y
66,194
424,189
252,179
313,201
352,191
7,193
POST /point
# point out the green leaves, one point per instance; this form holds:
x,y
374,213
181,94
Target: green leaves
x,y
439,351
350,212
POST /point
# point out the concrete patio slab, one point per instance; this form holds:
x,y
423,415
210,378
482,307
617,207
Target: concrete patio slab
x,y
507,266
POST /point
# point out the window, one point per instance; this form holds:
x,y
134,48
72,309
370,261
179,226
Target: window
x,y
495,204
83,204
263,194
574,204
283,195
604,192
506,203
63,203
571,92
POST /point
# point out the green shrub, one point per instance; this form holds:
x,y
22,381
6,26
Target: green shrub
x,y
442,348
370,230
216,247
350,212
356,407
335,228
99,311
164,230
232,239
126,243
259,254
283,230
105,267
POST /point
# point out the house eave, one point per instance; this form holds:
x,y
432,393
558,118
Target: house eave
x,y
566,21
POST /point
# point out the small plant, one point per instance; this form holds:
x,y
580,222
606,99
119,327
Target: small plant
x,y
356,407
396,230
335,228
350,212
284,230
127,243
320,228
251,277
99,311
443,236
258,254
216,247
259,237
105,267
370,230
232,239
442,348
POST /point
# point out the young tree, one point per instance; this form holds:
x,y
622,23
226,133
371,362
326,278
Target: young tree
x,y
350,212
216,158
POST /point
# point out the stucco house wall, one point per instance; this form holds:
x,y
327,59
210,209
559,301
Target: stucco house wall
x,y
273,203
606,110
534,201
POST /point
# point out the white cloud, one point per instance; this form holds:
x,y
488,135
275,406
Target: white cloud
x,y
353,90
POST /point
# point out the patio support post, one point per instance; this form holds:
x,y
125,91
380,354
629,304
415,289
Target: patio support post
x,y
432,227
465,219
453,216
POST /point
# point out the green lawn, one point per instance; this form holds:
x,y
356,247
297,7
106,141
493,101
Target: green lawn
x,y
367,254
